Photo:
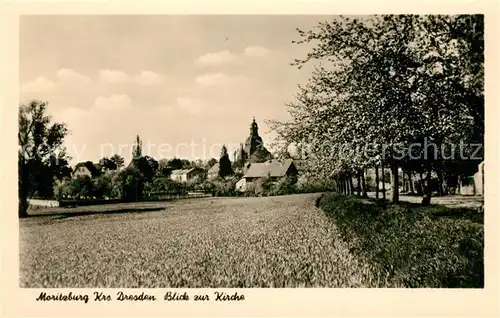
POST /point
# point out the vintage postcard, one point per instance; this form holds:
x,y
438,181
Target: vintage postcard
x,y
280,161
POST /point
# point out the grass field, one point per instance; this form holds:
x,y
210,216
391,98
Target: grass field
x,y
417,246
282,241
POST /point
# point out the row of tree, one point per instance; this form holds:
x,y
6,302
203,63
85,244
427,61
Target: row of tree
x,y
388,85
44,169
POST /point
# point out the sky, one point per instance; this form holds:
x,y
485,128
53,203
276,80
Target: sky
x,y
185,84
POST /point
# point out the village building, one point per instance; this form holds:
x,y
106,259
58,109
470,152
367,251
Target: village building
x,y
185,175
240,186
472,185
479,180
272,169
86,169
213,172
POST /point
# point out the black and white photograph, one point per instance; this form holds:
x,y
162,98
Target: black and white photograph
x,y
251,151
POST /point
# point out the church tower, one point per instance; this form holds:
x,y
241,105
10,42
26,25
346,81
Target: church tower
x,y
254,129
254,141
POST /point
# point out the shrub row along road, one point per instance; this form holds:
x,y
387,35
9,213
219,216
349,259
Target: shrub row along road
x,y
280,241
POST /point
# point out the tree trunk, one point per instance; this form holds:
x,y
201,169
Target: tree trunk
x,y
446,190
440,188
420,189
351,185
377,181
358,188
403,182
427,191
23,208
410,182
363,184
347,189
383,183
23,189
395,182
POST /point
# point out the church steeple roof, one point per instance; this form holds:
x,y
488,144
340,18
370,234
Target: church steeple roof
x,y
254,128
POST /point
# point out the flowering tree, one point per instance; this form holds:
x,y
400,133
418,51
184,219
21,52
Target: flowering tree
x,y
380,87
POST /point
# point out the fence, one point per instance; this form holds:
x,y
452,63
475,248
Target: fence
x,y
169,196
44,203
152,197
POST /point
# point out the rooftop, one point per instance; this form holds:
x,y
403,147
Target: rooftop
x,y
272,168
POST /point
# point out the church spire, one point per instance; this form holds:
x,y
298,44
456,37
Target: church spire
x,y
254,129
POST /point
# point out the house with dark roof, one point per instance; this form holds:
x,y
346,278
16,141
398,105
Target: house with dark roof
x,y
86,169
184,175
273,169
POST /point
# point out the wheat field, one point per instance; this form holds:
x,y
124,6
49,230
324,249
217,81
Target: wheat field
x,y
282,241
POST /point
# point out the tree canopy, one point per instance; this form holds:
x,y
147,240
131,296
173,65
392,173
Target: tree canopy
x,y
41,156
118,160
225,167
384,85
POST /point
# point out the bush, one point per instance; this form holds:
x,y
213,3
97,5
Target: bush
x,y
263,186
286,185
163,185
196,183
105,185
81,187
132,184
220,186
62,189
311,184
102,186
411,245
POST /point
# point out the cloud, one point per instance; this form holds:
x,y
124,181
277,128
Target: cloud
x,y
113,76
113,103
71,77
104,110
149,78
38,85
222,57
257,51
218,79
217,58
71,115
190,105
118,77
64,76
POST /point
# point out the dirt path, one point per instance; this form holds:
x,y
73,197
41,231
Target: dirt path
x,y
452,201
218,242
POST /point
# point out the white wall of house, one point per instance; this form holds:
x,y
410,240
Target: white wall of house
x,y
212,175
184,177
479,180
241,185
177,177
82,171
